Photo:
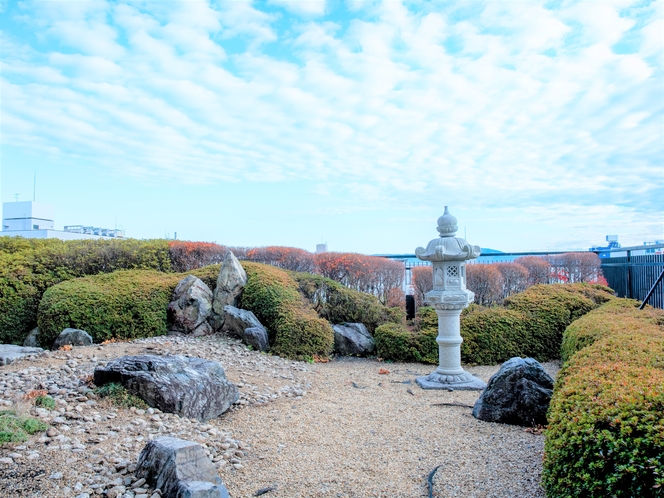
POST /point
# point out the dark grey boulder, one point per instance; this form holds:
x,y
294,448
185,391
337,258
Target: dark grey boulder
x,y
518,394
72,337
353,339
32,339
9,353
180,469
191,307
245,325
191,387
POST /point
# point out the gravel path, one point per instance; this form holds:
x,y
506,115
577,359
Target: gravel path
x,y
337,429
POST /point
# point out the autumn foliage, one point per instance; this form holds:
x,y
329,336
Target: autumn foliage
x,y
493,283
186,256
287,258
369,274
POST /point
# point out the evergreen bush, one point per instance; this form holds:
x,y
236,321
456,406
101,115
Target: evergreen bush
x,y
294,329
29,266
338,304
606,431
126,304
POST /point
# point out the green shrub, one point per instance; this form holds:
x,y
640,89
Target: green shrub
x,y
45,402
119,396
29,266
15,429
121,305
396,342
606,430
531,324
618,316
494,335
337,303
294,329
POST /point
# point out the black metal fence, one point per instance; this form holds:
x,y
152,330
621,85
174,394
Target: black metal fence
x,y
635,276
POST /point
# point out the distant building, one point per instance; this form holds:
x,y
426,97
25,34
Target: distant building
x,y
321,248
35,220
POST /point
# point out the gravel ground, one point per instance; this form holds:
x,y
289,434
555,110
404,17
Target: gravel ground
x,y
337,429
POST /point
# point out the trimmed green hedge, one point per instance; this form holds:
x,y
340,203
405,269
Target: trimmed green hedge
x,y
531,324
29,266
294,329
126,304
338,304
606,428
396,342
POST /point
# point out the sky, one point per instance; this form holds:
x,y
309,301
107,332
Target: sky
x,y
350,122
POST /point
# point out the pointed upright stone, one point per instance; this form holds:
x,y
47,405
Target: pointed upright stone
x,y
230,283
190,308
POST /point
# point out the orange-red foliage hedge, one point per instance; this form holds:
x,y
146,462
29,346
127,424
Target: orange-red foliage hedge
x,y
187,256
370,274
288,258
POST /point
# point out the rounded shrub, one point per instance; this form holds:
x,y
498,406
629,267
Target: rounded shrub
x,y
396,342
29,266
339,304
294,329
494,335
606,431
122,305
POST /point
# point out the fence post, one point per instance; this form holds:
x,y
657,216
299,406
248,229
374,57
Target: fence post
x,y
629,276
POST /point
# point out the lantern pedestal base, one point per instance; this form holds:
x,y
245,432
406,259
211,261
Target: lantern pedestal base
x,y
462,382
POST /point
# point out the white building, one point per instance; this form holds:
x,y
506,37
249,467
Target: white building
x,y
35,220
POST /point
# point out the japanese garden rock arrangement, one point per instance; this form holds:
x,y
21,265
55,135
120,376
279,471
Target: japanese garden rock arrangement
x,y
104,440
353,339
72,337
179,468
245,325
191,387
518,394
230,283
191,307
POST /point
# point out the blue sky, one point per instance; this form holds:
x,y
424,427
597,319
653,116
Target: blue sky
x,y
290,122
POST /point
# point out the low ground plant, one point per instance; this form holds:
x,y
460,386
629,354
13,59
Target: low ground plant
x,y
15,428
118,395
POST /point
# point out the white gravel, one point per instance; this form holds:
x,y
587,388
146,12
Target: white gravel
x,y
337,429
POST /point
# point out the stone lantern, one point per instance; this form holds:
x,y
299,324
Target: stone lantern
x,y
449,297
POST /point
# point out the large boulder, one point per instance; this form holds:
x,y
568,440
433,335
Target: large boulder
x,y
9,353
245,325
191,387
353,339
32,339
179,469
72,337
518,394
230,284
191,307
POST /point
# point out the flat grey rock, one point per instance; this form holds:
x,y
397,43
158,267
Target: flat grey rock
x,y
72,337
353,339
9,353
180,469
191,387
245,325
518,394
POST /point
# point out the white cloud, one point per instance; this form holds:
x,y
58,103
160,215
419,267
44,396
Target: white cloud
x,y
532,105
302,7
